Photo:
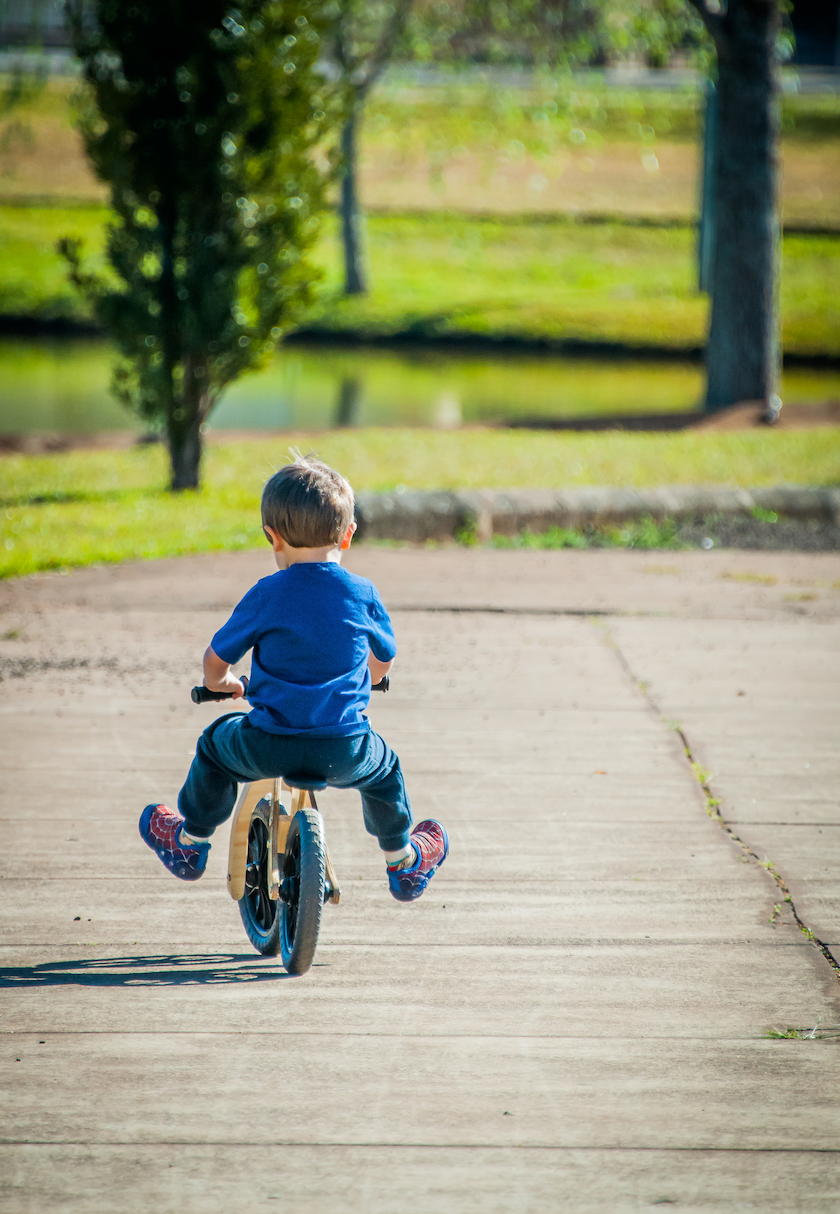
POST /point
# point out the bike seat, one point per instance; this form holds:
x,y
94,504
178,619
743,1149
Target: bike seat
x,y
309,783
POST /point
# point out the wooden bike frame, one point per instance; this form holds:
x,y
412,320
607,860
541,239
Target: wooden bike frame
x,y
249,796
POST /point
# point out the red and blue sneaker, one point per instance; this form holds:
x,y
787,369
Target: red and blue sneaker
x,y
431,844
160,828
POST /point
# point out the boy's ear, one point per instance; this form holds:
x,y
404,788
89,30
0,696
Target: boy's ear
x,y
274,538
348,537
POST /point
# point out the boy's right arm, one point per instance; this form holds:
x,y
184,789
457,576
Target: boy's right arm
x,y
381,637
218,675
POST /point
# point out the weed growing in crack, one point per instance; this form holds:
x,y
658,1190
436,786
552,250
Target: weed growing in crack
x,y
745,853
789,1033
702,775
645,533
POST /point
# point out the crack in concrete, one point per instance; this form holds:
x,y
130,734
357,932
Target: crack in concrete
x,y
703,778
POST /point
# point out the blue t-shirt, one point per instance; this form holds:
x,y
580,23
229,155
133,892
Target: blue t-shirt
x,y
311,627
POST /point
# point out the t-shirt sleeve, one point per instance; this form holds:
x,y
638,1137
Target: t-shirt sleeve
x,y
380,630
241,632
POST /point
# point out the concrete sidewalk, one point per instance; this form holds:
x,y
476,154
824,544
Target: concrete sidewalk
x,y
574,1018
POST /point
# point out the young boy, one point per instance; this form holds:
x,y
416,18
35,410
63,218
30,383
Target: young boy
x,y
320,636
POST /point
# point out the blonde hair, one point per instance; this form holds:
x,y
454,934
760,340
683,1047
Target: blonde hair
x,y
309,504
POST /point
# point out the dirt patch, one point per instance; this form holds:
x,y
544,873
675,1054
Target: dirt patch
x,y
52,444
792,417
26,667
741,417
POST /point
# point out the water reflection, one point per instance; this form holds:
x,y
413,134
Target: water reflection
x,y
62,387
349,398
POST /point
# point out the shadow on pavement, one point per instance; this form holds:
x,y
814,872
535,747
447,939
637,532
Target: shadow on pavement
x,y
177,969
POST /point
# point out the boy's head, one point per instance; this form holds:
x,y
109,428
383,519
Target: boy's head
x,y
308,504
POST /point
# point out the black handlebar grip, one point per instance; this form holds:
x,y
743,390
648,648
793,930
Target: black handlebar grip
x,y
202,695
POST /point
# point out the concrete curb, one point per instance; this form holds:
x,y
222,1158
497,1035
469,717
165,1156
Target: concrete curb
x,y
418,516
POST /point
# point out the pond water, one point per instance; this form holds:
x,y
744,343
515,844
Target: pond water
x,y
61,386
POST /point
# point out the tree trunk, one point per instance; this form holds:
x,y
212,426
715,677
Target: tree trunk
x,y
741,355
184,452
354,275
183,426
706,234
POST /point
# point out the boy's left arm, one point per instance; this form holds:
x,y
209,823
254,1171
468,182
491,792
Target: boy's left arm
x,y
218,675
235,637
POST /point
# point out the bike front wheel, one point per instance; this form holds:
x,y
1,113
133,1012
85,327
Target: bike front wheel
x,y
303,876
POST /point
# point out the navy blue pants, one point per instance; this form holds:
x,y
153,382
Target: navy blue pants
x,y
232,751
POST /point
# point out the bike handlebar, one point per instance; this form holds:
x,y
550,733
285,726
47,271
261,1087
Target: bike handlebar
x,y
203,695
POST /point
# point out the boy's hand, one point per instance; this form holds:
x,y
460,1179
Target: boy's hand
x,y
218,676
229,684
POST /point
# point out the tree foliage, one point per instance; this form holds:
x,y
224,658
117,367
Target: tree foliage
x,y
364,36
551,33
205,123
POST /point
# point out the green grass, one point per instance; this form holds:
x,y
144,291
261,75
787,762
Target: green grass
x,y
82,508
556,280
33,278
452,275
487,118
449,274
459,277
644,533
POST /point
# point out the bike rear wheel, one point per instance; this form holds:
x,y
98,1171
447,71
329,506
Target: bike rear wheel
x,y
303,875
261,916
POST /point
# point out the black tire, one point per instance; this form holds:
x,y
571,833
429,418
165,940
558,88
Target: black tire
x,y
303,876
260,915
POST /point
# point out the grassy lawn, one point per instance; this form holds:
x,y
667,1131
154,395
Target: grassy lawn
x,y
568,147
562,145
558,280
473,190
82,508
460,276
33,278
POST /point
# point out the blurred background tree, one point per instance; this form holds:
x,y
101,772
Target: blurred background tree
x,y
364,37
551,33
742,52
742,360
368,34
204,122
23,80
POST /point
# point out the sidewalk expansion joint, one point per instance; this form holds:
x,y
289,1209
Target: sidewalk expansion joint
x,y
138,1144
704,778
